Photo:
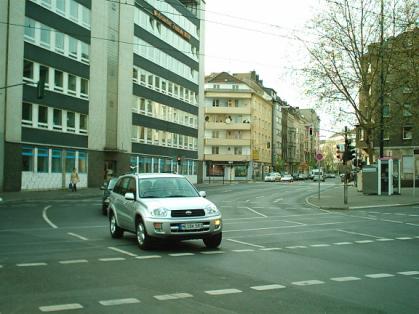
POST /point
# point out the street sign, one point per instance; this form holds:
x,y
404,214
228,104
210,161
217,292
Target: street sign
x,y
319,156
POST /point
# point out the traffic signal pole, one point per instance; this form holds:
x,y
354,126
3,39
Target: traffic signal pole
x,y
345,181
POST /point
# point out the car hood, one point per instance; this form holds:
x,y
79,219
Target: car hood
x,y
176,203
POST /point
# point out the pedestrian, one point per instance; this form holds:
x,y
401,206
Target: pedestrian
x,y
74,180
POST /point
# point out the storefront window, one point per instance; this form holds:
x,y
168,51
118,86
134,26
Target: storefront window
x,y
56,161
42,156
70,160
27,158
215,170
82,162
165,165
240,171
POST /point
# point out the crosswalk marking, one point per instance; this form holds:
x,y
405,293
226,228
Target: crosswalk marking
x,y
341,279
223,291
267,287
60,307
376,276
119,301
308,282
409,273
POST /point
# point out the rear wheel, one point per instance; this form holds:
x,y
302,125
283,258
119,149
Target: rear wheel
x,y
143,239
214,241
116,232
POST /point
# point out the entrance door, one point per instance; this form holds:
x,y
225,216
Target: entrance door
x,y
109,169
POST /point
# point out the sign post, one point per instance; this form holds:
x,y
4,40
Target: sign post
x,y
319,157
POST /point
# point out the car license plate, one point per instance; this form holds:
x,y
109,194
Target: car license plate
x,y
191,226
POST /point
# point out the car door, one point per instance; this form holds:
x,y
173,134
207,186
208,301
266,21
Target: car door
x,y
129,205
123,218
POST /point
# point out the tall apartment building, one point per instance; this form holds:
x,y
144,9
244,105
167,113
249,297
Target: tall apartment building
x,y
121,89
238,127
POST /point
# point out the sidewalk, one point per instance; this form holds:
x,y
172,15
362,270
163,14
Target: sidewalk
x,y
333,199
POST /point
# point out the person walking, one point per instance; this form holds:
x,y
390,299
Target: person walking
x,y
74,180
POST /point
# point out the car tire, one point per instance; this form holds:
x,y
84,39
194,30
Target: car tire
x,y
115,230
143,239
214,241
104,210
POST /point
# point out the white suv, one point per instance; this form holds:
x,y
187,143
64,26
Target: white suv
x,y
162,206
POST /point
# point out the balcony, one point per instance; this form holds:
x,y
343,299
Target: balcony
x,y
226,126
227,142
228,110
227,157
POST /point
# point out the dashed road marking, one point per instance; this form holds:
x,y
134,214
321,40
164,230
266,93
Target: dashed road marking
x,y
271,249
384,240
60,307
181,254
319,245
111,259
394,221
342,279
148,257
77,236
404,238
31,264
74,261
245,243
122,251
409,273
296,247
173,296
223,291
267,287
119,301
244,250
376,276
308,283
342,243
364,241
212,252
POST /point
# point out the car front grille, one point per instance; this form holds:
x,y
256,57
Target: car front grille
x,y
188,213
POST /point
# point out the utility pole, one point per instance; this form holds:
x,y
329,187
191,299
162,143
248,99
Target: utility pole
x,y
345,181
382,80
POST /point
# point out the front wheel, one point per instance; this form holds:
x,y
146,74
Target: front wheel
x,y
116,231
214,241
143,239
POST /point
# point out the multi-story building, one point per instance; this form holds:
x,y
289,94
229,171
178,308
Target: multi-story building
x,y
121,89
238,127
400,99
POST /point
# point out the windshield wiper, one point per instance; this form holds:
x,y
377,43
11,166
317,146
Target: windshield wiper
x,y
178,196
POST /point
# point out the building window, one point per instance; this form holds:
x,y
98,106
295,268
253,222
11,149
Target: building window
x,y
407,110
84,52
29,29
72,45
27,114
72,85
83,124
56,161
85,16
28,70
84,87
82,162
57,119
237,150
43,159
42,117
407,133
386,135
60,6
58,80
27,158
44,74
45,36
71,122
70,160
386,110
59,42
215,150
74,10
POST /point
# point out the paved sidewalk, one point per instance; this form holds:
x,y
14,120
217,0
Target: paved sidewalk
x,y
333,199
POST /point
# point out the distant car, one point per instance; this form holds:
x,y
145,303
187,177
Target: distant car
x,y
107,188
318,176
287,178
164,206
331,175
273,177
302,176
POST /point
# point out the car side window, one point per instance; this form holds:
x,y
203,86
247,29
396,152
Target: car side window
x,y
124,185
131,186
117,186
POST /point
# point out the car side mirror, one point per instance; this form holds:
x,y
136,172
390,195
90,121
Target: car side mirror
x,y
129,196
203,194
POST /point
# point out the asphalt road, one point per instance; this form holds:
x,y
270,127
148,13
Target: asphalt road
x,y
278,255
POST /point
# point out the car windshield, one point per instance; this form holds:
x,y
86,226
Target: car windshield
x,y
112,183
166,187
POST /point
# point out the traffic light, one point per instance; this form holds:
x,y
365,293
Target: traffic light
x,y
178,159
349,153
40,89
338,151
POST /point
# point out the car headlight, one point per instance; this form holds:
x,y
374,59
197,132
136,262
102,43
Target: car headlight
x,y
212,210
160,212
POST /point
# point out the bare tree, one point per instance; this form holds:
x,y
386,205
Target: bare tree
x,y
342,71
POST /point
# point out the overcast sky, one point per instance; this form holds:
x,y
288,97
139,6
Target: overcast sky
x,y
245,35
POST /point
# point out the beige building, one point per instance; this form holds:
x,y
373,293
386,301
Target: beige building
x,y
237,127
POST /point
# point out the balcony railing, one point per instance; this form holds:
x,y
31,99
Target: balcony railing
x,y
226,126
227,142
228,110
227,157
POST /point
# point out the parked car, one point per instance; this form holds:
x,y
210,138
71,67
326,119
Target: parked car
x,y
302,176
273,177
107,188
287,178
318,175
165,206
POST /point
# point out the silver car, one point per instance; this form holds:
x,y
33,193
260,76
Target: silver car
x,y
162,206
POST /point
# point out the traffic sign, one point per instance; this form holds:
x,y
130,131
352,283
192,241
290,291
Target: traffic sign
x,y
319,156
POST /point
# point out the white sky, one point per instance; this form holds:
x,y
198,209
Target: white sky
x,y
245,35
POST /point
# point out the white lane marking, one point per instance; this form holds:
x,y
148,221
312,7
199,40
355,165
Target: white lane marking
x,y
342,279
262,196
409,273
77,236
400,214
74,261
278,200
296,247
404,238
256,212
413,215
173,296
119,301
246,243
122,251
241,251
148,257
212,252
181,254
319,245
376,276
384,240
223,291
408,223
308,283
60,307
395,221
271,249
364,241
352,232
267,287
31,264
342,243
284,227
44,215
111,259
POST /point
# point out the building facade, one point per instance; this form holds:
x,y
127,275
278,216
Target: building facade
x,y
121,90
238,127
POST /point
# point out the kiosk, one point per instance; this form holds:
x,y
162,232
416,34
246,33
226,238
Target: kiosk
x,y
388,176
